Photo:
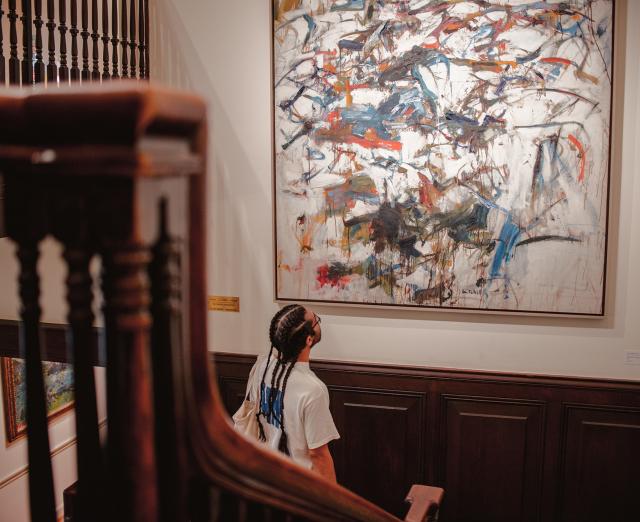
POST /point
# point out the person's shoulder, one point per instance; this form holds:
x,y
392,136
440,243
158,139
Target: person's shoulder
x,y
313,383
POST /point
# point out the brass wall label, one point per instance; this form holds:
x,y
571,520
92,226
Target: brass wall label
x,y
224,303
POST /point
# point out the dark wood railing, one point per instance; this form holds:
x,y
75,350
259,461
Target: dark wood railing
x,y
117,171
46,33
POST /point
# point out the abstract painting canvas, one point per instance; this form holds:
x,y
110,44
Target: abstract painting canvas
x,y
443,154
58,381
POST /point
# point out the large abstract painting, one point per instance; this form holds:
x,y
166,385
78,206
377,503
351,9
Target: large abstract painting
x,y
447,154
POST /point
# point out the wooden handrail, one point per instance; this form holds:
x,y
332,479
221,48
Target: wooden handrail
x,y
425,502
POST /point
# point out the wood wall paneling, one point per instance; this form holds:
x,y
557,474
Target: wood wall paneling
x,y
601,461
505,447
381,436
491,449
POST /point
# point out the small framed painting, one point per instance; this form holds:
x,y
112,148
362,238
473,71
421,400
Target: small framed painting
x,y
443,155
58,379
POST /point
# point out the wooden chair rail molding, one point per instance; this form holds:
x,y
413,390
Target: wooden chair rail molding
x,y
117,170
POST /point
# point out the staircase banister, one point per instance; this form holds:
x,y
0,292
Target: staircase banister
x,y
118,112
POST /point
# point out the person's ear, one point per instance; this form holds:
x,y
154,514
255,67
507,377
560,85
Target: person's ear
x,y
309,340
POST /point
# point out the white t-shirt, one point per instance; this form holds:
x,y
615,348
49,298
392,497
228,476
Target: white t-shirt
x,y
307,419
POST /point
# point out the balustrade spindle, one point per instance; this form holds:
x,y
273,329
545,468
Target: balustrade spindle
x,y
52,68
129,386
1,47
95,72
105,39
142,35
63,71
75,71
71,225
114,38
27,44
40,473
38,68
146,39
26,226
124,29
132,38
85,41
166,332
14,62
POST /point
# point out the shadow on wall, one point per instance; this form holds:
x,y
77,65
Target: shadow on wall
x,y
182,66
237,246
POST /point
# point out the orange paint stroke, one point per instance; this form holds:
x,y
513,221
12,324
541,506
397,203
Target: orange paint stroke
x,y
286,6
434,45
556,59
581,154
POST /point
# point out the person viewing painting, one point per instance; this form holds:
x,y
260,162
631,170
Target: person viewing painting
x,y
290,403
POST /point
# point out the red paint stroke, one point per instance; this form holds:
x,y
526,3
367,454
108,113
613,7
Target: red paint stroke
x,y
324,279
556,59
425,189
581,154
333,117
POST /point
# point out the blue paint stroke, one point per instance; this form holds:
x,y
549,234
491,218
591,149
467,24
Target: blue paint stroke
x,y
349,5
506,243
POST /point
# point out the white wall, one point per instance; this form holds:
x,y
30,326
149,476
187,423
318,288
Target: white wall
x,y
222,50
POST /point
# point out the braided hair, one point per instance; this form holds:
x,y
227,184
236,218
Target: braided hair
x,y
288,333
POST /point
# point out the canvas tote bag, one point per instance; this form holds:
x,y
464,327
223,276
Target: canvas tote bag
x,y
244,420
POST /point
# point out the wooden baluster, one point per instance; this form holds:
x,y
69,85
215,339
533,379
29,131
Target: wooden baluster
x,y
2,64
114,38
124,29
25,222
63,71
95,72
105,39
14,62
131,440
142,39
40,474
132,38
147,39
75,71
27,44
52,68
86,75
166,343
38,69
71,227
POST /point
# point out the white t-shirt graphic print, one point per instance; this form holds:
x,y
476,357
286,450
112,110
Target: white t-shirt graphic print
x,y
307,419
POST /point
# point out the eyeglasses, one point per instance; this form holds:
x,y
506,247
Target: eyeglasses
x,y
316,321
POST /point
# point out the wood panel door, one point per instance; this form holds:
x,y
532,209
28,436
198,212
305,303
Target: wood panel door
x,y
380,452
492,454
601,464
